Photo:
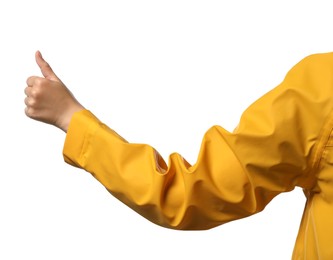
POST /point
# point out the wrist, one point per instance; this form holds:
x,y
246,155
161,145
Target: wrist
x,y
66,119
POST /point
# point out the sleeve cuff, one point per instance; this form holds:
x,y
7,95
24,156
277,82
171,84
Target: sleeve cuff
x,y
82,126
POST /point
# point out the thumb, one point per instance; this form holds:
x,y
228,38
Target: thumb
x,y
45,67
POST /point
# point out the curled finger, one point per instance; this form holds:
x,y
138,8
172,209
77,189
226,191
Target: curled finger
x,y
27,91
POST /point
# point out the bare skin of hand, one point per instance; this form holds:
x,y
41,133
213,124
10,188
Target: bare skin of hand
x,y
48,99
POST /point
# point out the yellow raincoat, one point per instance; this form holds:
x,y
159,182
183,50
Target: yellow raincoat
x,y
283,140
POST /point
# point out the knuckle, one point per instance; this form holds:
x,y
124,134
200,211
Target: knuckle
x,y
26,101
30,102
29,112
35,92
34,80
38,82
30,80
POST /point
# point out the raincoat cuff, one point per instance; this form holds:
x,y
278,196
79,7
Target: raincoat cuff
x,y
82,126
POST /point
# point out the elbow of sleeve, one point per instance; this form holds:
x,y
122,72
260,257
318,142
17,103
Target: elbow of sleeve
x,y
214,191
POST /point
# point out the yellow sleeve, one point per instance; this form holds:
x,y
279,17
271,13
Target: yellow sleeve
x,y
275,147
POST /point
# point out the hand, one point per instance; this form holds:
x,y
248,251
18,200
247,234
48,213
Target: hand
x,y
47,99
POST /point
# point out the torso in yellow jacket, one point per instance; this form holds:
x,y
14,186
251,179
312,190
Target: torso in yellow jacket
x,y
283,140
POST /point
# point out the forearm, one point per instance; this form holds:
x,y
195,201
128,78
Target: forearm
x,y
177,196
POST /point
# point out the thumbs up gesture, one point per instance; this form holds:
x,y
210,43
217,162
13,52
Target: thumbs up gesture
x,y
47,99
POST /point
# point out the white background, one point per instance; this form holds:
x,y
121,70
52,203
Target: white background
x,y
158,72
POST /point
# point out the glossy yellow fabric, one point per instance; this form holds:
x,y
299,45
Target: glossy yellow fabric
x,y
283,140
